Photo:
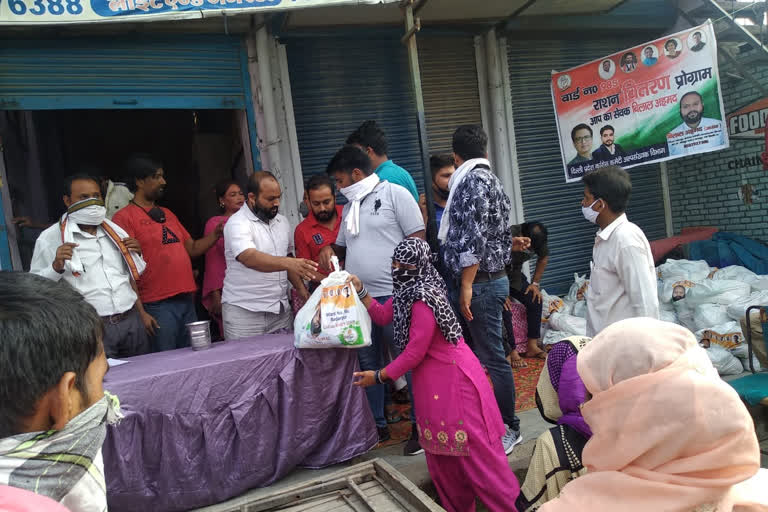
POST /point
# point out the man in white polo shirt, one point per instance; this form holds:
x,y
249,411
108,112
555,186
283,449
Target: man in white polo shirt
x,y
378,216
258,247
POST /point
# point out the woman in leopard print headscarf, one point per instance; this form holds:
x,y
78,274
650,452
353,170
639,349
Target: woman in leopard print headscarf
x,y
458,420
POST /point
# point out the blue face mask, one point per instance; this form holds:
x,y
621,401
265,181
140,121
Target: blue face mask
x,y
590,214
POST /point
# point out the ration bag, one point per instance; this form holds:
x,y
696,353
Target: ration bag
x,y
334,316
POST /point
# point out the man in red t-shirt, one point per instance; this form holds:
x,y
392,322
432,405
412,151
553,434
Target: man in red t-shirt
x,y
321,226
167,286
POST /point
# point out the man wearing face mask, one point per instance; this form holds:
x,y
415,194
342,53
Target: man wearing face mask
x,y
53,408
258,248
379,216
623,278
100,261
167,287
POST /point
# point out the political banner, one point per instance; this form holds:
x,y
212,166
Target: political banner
x,y
654,102
47,12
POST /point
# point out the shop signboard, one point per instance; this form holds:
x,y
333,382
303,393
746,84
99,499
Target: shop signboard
x,y
654,102
749,122
47,12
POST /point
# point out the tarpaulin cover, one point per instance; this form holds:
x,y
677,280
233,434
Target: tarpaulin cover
x,y
203,427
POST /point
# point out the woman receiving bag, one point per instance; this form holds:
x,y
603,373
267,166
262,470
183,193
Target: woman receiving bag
x,y
459,423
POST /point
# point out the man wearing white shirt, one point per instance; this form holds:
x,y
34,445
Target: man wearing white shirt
x,y
106,279
623,279
258,247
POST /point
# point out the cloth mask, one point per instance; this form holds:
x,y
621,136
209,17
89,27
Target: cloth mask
x,y
90,212
355,193
590,214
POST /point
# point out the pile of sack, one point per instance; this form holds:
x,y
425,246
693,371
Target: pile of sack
x,y
711,302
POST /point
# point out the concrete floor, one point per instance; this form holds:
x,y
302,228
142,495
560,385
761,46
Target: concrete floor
x,y
414,467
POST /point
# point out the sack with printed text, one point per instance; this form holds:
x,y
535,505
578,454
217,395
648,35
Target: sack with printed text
x,y
334,316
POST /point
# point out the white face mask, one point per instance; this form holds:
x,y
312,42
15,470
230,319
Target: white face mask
x,y
91,215
590,214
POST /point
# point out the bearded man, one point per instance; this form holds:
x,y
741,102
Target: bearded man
x,y
258,247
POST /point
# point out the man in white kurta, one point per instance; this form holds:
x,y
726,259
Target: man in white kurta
x,y
623,277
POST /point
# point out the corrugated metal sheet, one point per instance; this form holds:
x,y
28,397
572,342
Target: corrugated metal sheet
x,y
337,83
546,196
449,82
147,72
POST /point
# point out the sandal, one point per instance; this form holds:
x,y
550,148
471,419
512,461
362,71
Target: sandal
x,y
518,363
539,355
393,416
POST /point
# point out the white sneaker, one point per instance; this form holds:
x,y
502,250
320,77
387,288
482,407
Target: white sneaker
x,y
510,439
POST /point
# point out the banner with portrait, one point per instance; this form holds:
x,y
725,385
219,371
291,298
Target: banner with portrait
x,y
654,102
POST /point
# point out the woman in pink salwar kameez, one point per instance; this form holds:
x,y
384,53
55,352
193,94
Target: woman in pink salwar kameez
x,y
459,423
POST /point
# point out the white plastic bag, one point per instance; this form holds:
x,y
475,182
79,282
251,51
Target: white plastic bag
x,y
727,335
568,323
667,315
717,292
735,273
681,270
578,290
552,336
737,310
741,352
580,309
724,362
551,304
707,315
334,316
760,284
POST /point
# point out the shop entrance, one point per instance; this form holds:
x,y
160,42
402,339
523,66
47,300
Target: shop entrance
x,y
198,148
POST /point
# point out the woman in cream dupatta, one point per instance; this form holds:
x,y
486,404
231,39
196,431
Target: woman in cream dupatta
x,y
667,434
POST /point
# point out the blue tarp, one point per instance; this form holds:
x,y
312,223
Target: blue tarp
x,y
727,249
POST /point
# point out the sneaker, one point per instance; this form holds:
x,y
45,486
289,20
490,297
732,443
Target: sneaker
x,y
383,434
412,447
510,439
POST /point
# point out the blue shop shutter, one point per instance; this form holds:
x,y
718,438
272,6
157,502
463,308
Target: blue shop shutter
x,y
180,71
337,83
546,196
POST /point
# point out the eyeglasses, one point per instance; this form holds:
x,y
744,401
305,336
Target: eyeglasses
x,y
585,138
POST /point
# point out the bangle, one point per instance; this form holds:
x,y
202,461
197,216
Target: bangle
x,y
535,284
377,375
363,293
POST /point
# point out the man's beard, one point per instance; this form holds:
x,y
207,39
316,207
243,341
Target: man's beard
x,y
324,216
608,143
442,194
265,214
693,117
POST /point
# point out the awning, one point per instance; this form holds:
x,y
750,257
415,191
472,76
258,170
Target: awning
x,y
57,12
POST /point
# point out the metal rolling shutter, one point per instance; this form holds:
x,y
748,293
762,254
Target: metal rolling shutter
x,y
449,82
338,83
116,73
546,196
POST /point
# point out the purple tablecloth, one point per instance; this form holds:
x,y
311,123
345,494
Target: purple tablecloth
x,y
202,427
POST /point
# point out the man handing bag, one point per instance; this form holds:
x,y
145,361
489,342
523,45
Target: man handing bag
x,y
334,316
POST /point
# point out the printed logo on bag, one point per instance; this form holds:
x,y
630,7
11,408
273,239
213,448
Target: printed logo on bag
x,y
317,238
680,289
582,291
728,340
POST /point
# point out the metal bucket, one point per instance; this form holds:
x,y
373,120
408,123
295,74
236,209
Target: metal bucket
x,y
200,334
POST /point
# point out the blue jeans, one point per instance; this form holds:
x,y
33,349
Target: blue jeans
x,y
172,314
370,358
487,343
